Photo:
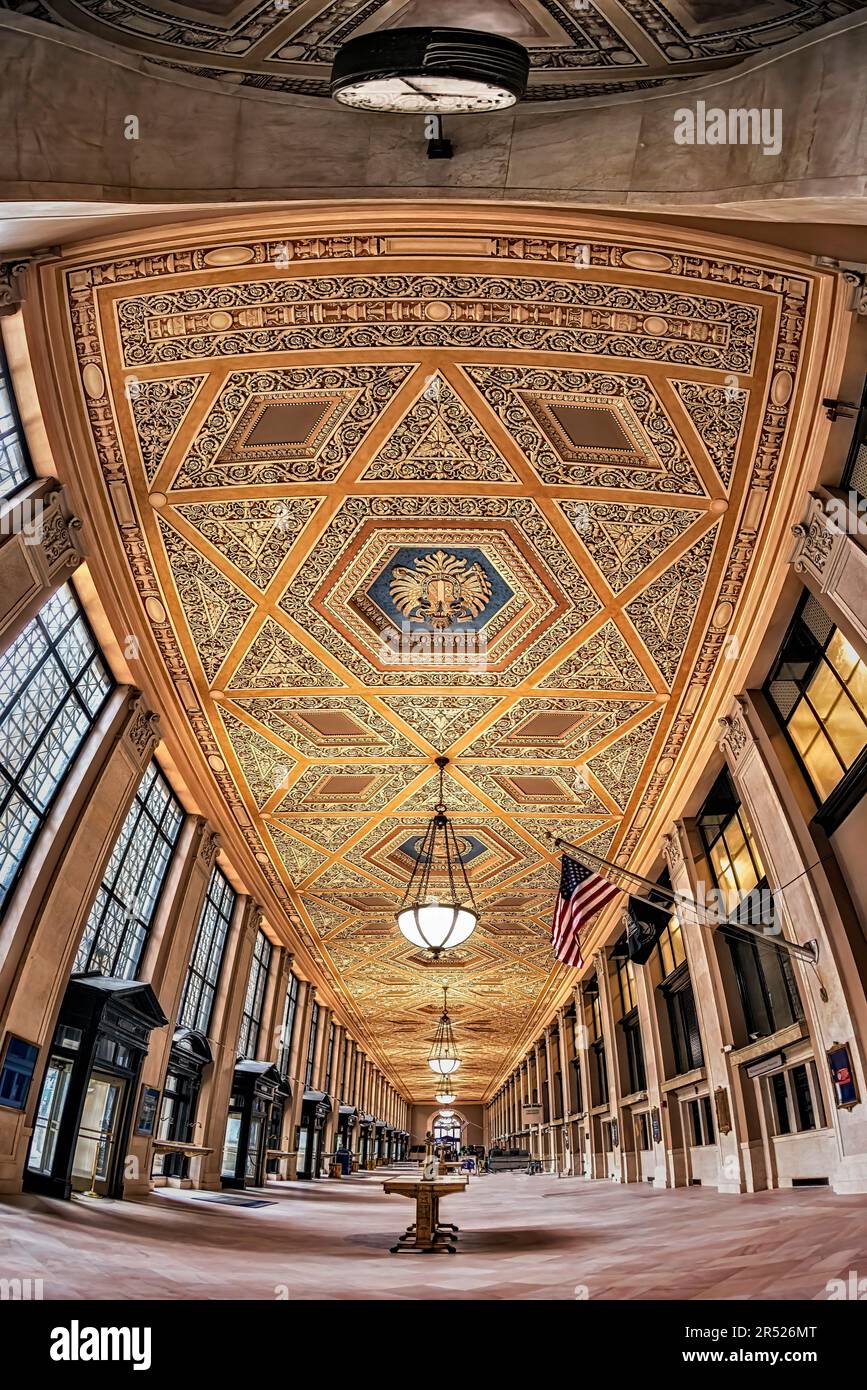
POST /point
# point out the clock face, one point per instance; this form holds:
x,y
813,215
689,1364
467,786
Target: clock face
x,y
429,95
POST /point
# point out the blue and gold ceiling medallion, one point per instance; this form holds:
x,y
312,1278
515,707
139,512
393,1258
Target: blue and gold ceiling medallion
x,y
440,589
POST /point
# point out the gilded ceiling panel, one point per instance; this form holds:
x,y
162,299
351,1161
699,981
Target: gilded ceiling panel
x,y
379,504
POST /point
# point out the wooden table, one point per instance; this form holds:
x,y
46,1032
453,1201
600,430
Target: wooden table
x,y
428,1233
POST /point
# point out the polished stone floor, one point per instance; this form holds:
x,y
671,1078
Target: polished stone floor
x,y
521,1238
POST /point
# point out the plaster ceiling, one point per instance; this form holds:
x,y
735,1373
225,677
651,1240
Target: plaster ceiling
x,y
299,441
577,49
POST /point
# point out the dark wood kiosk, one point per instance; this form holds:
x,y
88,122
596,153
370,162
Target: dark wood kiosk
x,y
189,1056
428,1234
315,1109
256,1088
90,1088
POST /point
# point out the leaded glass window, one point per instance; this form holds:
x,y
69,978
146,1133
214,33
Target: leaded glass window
x,y
203,971
121,916
251,1021
15,469
288,1023
53,683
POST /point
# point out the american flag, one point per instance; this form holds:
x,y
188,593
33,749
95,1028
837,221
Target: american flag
x,y
582,894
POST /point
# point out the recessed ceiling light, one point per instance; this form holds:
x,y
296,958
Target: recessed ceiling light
x,y
425,71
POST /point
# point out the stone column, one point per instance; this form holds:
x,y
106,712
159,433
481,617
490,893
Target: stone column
x,y
582,1052
654,1072
833,564
320,1051
40,548
224,1031
741,1162
815,906
164,964
553,1094
612,1068
46,912
329,1139
565,1098
297,1068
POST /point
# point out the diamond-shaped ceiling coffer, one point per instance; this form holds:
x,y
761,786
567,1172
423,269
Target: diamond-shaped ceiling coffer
x,y
299,424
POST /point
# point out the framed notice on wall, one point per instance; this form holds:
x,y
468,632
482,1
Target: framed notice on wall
x,y
532,1114
843,1076
17,1066
147,1110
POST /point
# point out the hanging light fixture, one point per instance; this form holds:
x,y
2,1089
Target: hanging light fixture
x,y
444,1096
444,1053
423,918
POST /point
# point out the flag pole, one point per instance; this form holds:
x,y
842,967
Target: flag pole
x,y
809,951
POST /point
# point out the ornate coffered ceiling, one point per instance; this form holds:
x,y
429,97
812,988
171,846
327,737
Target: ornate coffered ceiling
x,y
578,48
385,494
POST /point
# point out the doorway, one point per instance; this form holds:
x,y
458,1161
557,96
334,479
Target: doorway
x,y
97,1134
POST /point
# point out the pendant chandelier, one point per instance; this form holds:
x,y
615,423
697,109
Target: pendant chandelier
x,y
444,1096
444,1057
424,919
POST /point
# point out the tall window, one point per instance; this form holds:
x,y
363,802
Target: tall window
x,y
203,971
627,1021
329,1060
251,1020
311,1045
818,689
676,988
121,916
15,469
592,1009
765,979
289,1013
52,686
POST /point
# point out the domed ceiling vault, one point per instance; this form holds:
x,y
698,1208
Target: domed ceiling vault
x,y
388,493
576,49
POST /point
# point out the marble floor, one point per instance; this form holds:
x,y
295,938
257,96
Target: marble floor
x,y
521,1238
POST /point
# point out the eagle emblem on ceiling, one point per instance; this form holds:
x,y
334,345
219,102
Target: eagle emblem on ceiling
x,y
440,589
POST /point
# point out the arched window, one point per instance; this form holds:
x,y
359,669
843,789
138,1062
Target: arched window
x,y
447,1131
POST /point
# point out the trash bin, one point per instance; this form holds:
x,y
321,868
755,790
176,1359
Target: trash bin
x,y
343,1159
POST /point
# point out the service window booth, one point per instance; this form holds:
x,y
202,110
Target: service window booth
x,y
315,1109
189,1056
256,1088
366,1141
379,1142
90,1090
346,1118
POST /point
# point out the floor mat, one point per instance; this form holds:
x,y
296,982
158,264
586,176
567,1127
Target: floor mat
x,y
229,1201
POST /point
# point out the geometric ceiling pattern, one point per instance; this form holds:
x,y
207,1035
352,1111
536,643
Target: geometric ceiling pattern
x,y
382,503
576,50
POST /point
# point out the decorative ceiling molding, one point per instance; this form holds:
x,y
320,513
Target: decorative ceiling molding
x,y
596,51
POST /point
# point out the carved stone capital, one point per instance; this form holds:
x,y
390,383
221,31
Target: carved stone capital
x,y
209,845
672,848
817,538
736,736
143,729
12,285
